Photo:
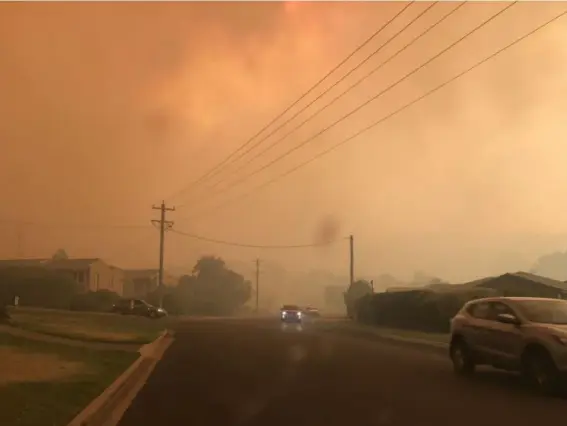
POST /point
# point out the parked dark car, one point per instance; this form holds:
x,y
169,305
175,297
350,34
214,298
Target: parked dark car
x,y
138,307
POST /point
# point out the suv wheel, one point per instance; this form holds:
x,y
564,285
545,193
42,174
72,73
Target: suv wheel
x,y
463,363
541,372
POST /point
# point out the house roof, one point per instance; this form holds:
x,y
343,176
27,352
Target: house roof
x,y
20,263
477,282
541,280
538,279
69,264
484,282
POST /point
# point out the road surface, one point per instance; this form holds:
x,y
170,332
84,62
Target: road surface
x,y
253,373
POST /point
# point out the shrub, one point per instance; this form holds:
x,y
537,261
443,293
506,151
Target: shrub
x,y
38,287
422,310
4,316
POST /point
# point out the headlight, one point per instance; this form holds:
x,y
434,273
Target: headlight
x,y
299,314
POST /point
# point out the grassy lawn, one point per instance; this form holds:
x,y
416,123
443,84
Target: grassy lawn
x,y
357,328
46,384
88,326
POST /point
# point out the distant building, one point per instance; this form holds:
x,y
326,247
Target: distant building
x,y
519,284
334,298
93,274
141,282
526,284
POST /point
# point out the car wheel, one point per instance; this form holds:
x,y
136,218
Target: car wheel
x,y
541,372
463,364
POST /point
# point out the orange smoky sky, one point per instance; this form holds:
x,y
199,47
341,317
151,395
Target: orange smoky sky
x,y
108,108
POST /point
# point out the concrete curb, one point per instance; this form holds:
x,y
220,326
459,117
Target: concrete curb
x,y
108,408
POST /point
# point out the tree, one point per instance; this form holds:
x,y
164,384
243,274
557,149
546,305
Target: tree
x,y
212,289
208,266
355,291
60,254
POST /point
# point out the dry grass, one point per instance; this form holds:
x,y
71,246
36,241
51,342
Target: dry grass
x,y
93,327
17,366
44,383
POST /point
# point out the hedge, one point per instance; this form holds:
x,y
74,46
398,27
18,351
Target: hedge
x,y
422,310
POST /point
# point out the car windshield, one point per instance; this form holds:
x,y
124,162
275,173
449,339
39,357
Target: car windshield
x,y
544,311
290,308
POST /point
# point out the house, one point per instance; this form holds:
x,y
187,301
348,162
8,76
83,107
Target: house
x,y
94,274
446,287
523,284
141,282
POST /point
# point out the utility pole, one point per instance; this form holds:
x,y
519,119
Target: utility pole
x,y
351,247
20,238
257,283
163,225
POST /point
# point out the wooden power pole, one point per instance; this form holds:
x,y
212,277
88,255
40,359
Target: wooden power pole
x,y
351,250
163,226
257,283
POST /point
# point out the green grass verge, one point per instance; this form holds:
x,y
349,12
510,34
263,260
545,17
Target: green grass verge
x,y
88,326
56,402
351,327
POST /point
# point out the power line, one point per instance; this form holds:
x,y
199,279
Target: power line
x,y
287,109
383,119
257,246
358,82
70,225
318,97
364,104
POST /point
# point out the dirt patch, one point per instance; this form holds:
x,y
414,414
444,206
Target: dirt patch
x,y
17,366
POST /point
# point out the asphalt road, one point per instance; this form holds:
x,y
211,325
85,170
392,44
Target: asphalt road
x,y
253,373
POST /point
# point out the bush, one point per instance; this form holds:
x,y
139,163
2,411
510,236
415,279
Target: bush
x,y
356,291
38,287
4,316
422,310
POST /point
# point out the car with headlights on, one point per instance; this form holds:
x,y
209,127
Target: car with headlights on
x,y
520,334
291,314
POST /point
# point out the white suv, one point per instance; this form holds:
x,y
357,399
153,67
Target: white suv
x,y
527,335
